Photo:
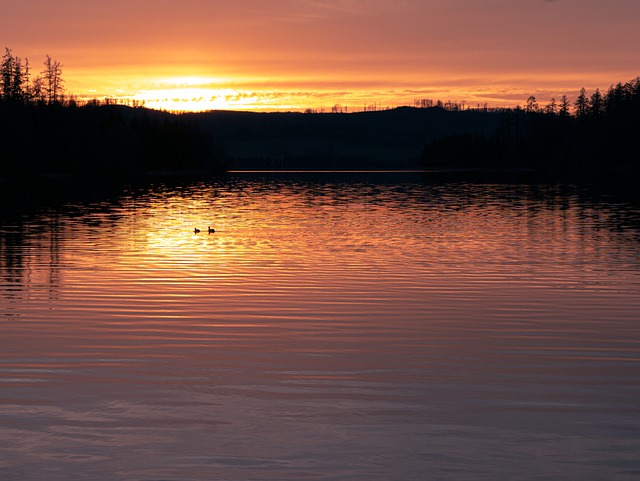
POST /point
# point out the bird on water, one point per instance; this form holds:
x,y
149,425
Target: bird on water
x,y
211,231
196,231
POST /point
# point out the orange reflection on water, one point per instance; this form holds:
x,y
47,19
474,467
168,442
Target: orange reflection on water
x,y
323,318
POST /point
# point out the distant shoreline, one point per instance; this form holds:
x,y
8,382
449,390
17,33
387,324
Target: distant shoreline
x,y
117,144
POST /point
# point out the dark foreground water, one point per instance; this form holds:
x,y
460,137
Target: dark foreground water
x,y
333,328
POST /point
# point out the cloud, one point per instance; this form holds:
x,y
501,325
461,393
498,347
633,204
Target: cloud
x,y
347,7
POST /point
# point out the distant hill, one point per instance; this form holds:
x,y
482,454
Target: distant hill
x,y
120,143
376,140
100,142
600,138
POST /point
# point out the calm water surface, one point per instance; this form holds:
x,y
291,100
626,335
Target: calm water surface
x,y
332,328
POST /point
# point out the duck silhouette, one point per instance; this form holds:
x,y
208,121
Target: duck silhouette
x,y
196,231
211,231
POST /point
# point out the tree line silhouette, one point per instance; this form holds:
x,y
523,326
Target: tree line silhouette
x,y
18,85
44,133
591,134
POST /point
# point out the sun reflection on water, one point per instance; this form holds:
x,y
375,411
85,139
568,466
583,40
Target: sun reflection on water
x,y
323,318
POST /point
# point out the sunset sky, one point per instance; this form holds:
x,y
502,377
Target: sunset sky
x,y
293,54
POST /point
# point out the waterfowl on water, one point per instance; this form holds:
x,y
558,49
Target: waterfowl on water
x,y
196,231
211,231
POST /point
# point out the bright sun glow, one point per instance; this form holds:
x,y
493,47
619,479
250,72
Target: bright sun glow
x,y
192,99
188,93
199,94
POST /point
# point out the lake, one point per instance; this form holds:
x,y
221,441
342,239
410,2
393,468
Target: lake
x,y
355,326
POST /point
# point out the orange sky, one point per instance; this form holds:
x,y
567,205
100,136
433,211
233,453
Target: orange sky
x,y
292,54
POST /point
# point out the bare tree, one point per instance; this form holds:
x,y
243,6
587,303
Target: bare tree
x,y
423,103
52,80
27,80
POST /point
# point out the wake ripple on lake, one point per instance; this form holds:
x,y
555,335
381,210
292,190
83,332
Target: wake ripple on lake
x,y
330,329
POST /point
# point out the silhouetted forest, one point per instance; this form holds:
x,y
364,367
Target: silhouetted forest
x,y
44,132
383,139
601,135
95,140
